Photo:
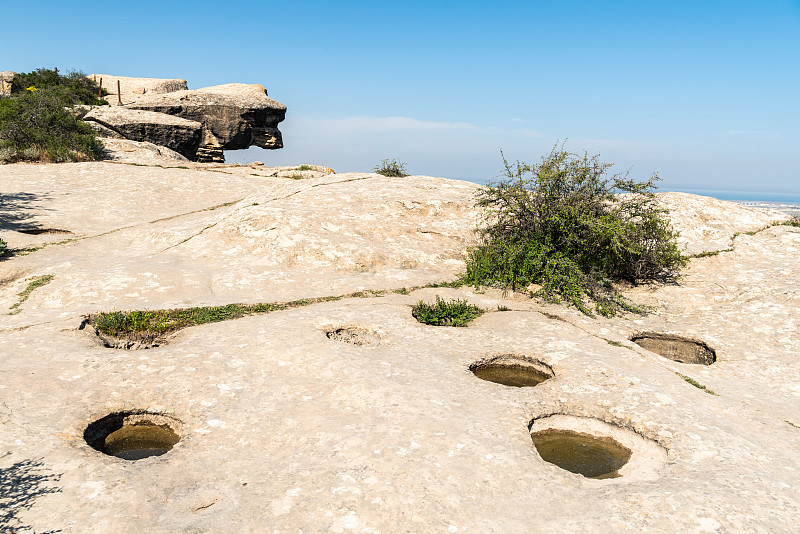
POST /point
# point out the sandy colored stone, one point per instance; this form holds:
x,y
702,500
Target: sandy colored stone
x,y
284,429
238,115
133,88
177,134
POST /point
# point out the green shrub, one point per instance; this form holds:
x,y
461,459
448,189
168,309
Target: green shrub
x,y
391,168
3,247
452,313
38,126
305,167
560,224
78,88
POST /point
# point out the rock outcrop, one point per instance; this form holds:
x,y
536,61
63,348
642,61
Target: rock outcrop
x,y
233,116
236,115
178,134
130,89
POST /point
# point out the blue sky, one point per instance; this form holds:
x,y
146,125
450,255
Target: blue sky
x,y
705,93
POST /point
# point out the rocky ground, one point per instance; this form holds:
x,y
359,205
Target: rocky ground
x,y
285,429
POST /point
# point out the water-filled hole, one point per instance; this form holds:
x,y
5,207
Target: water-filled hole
x,y
677,348
354,336
512,370
133,435
584,454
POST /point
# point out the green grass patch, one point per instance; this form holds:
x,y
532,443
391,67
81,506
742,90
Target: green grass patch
x,y
305,167
33,285
696,384
502,308
446,313
794,221
561,225
391,167
147,326
792,424
3,248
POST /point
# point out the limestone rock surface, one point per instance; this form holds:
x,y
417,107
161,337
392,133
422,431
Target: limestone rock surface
x,y
6,77
133,88
237,115
286,424
181,135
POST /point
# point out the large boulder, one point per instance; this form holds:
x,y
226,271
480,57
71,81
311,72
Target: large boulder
x,y
236,115
178,134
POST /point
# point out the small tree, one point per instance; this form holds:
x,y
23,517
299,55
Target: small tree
x,y
38,126
562,224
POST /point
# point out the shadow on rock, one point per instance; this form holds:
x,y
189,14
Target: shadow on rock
x,y
20,485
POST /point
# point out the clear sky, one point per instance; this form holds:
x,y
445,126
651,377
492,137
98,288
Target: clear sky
x,y
706,93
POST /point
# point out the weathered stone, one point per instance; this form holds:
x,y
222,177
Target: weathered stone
x,y
133,88
5,81
237,115
138,152
285,428
175,133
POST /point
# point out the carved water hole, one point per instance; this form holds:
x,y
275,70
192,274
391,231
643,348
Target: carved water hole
x,y
512,370
676,348
595,449
133,435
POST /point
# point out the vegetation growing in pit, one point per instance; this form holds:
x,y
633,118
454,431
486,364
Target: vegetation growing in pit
x,y
562,225
446,313
37,122
33,285
3,248
392,168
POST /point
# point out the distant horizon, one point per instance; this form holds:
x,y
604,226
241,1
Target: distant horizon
x,y
703,93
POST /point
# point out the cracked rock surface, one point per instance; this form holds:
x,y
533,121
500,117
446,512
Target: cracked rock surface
x,y
284,429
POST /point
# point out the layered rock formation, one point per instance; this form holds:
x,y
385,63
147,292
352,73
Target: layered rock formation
x,y
181,135
233,116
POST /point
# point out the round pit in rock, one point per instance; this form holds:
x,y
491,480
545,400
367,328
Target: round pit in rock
x,y
133,435
676,348
512,370
595,449
355,336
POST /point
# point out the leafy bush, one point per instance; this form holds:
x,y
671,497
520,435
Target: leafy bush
x,y
38,126
391,168
77,87
452,313
560,224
